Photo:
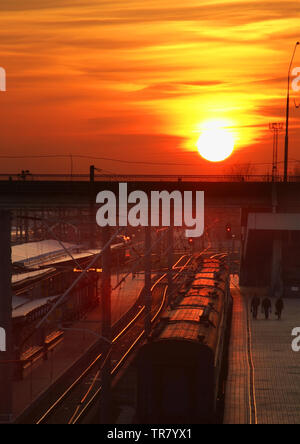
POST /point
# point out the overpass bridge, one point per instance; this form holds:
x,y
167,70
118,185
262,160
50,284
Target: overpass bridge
x,y
78,194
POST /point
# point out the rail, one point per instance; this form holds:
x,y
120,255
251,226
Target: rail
x,y
52,410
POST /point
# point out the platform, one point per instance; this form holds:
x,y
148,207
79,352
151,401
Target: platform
x,y
263,384
44,373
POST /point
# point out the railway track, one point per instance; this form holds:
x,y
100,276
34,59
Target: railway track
x,y
73,404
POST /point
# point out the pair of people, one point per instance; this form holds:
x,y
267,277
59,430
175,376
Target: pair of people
x,y
266,307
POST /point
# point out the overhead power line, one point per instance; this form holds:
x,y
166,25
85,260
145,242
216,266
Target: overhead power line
x,y
63,156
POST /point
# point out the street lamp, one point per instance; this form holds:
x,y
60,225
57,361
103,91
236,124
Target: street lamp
x,y
275,127
286,143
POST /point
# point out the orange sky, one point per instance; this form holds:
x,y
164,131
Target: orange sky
x,y
137,80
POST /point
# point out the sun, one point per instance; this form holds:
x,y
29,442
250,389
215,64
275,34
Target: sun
x,y
216,142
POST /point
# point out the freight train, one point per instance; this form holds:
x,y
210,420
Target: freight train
x,y
182,367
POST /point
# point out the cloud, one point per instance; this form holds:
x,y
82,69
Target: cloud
x,y
91,73
227,13
27,5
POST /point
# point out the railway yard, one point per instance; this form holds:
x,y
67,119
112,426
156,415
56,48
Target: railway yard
x,y
66,387
68,403
195,357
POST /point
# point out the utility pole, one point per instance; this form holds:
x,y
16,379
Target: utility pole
x,y
147,290
286,143
92,174
92,224
105,402
6,345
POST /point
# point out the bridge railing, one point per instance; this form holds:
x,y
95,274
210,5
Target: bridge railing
x,y
145,178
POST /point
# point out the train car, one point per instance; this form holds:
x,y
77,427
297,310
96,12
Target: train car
x,y
181,369
30,343
38,282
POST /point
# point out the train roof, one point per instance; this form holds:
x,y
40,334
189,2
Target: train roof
x,y
36,253
50,252
181,330
196,312
22,278
29,306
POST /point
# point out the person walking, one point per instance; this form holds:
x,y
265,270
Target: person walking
x,y
266,307
255,303
279,307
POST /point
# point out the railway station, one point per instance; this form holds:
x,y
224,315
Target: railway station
x,y
117,330
149,215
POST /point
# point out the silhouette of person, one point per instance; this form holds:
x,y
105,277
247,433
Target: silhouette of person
x,y
266,307
255,303
279,307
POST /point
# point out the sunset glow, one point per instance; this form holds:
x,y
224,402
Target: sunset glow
x,y
130,81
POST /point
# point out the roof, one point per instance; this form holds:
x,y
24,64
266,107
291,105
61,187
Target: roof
x,y
205,292
36,253
197,301
49,252
181,330
203,283
185,314
205,275
28,306
22,277
17,301
66,257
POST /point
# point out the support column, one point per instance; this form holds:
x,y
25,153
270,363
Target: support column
x,y
147,290
170,262
276,265
92,216
6,346
26,226
21,226
105,402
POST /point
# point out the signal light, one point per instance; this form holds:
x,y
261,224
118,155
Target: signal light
x,y
95,270
228,231
191,240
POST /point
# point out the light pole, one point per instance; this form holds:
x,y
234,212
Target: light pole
x,y
275,127
286,143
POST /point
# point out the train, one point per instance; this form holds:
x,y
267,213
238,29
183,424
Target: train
x,y
34,293
181,369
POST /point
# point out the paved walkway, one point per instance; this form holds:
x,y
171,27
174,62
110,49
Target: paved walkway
x,y
44,373
277,367
237,410
264,373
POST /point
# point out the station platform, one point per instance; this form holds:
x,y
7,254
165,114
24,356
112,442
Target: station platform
x,y
43,374
263,385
